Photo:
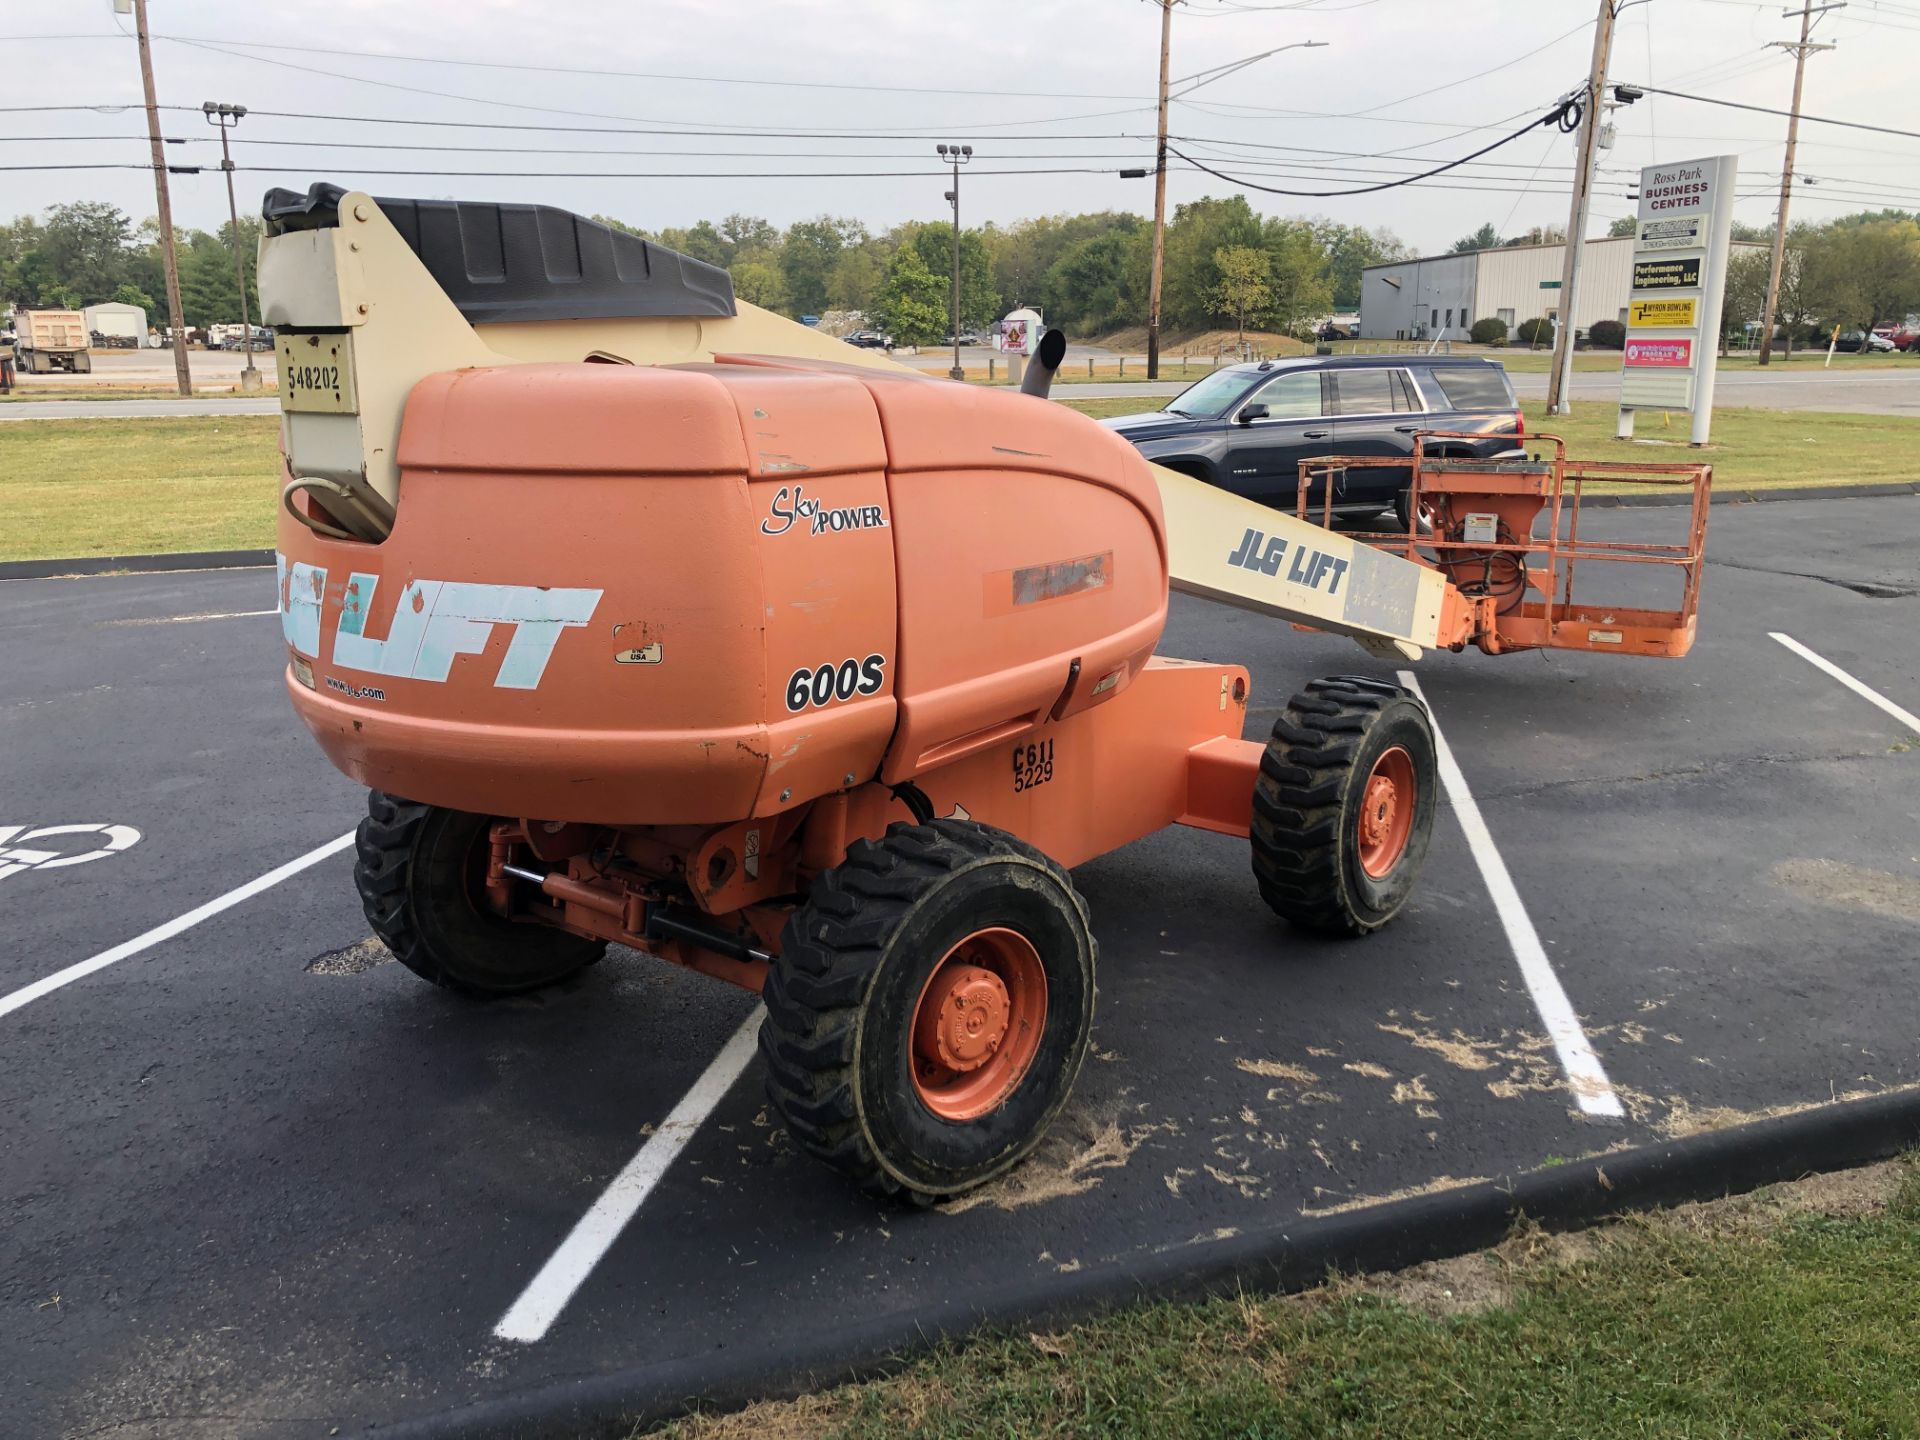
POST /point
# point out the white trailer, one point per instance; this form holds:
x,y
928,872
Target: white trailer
x,y
52,340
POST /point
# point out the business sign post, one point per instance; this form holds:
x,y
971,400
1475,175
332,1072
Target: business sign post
x,y
1679,282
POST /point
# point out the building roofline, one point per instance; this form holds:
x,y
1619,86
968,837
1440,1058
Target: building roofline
x,y
1531,245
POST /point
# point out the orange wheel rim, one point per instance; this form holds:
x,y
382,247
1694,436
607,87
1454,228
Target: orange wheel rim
x,y
977,1024
1386,812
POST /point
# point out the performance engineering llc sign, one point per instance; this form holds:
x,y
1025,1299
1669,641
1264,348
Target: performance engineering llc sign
x,y
1679,251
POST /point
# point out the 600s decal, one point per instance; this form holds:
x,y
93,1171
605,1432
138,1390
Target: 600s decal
x,y
823,684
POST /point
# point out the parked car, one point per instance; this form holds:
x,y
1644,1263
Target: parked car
x,y
1246,428
1859,340
870,340
966,337
1907,338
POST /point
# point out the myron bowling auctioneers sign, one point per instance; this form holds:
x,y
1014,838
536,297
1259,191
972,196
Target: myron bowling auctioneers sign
x,y
1680,255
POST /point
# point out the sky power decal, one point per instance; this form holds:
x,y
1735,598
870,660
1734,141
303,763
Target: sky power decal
x,y
434,622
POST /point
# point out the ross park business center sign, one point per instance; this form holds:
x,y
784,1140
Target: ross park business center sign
x,y
1680,256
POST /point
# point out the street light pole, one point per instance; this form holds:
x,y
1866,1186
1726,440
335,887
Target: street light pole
x,y
957,155
226,117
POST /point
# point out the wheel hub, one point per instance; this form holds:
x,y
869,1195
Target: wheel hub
x,y
963,1019
977,1025
1385,822
1376,821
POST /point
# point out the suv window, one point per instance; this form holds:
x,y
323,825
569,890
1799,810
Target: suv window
x,y
1365,392
1474,387
1290,397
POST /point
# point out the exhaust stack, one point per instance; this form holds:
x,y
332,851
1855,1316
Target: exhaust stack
x,y
1046,360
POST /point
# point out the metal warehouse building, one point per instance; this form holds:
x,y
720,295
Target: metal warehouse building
x,y
1441,296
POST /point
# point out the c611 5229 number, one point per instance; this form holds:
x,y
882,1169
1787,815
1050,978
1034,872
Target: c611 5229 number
x,y
812,685
1032,765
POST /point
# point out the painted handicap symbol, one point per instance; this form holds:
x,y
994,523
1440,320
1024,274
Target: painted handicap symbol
x,y
23,849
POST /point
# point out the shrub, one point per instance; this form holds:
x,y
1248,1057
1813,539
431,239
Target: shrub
x,y
1607,335
1490,331
1537,331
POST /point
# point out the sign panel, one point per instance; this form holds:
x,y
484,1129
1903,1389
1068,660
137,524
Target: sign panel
x,y
1652,389
1549,284
1660,354
1667,274
1671,234
1680,248
1656,313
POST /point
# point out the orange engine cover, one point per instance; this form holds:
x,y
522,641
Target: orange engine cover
x,y
691,595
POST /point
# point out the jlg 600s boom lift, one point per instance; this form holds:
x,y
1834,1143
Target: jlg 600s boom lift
x,y
681,626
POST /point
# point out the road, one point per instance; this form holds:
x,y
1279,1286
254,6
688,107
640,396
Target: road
x,y
261,1181
1877,392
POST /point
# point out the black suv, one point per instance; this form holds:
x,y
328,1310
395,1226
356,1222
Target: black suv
x,y
1245,428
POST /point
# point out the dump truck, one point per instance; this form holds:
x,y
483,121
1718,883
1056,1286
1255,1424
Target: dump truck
x,y
650,618
51,340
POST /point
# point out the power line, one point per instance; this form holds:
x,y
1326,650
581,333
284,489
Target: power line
x,y
496,102
215,42
1769,110
1566,115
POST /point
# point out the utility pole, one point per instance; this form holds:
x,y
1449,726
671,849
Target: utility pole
x,y
958,155
1800,51
1560,378
1159,199
226,117
181,372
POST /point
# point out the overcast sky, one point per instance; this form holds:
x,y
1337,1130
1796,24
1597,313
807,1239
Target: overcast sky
x,y
1045,85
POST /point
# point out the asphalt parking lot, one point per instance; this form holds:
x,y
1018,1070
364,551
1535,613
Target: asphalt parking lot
x,y
258,1182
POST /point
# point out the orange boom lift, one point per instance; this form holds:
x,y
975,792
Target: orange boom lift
x,y
650,618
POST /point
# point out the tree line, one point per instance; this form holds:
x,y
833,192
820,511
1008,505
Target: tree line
x,y
88,252
1225,265
1088,273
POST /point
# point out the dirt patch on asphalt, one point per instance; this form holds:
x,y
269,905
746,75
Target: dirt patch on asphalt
x,y
1852,887
354,959
1074,1157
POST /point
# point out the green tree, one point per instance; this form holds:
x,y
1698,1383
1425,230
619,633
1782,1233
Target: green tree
x,y
1864,273
1099,283
759,282
86,243
1351,249
808,255
748,232
1625,225
1485,238
1191,275
913,302
1241,289
1299,293
979,300
855,281
699,242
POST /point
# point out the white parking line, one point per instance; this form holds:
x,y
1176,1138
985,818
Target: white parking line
x,y
1865,692
1592,1091
160,933
183,619
547,1294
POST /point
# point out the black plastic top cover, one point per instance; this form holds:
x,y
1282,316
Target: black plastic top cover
x,y
508,262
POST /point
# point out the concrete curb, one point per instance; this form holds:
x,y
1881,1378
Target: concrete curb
x,y
1747,497
139,564
1290,1257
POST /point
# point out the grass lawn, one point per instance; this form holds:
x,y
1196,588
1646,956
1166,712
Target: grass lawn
x,y
1751,449
71,488
1789,1313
